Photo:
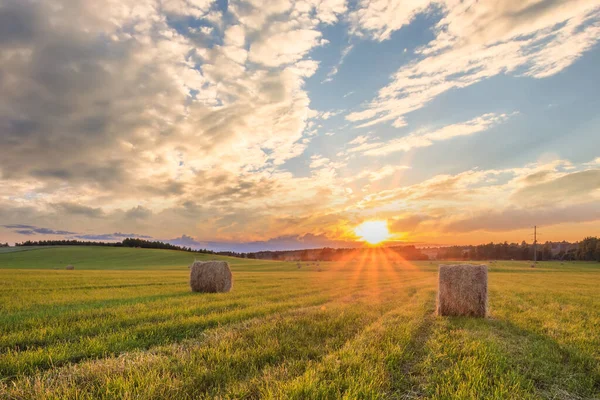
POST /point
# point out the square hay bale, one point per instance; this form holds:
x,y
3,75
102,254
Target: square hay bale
x,y
462,290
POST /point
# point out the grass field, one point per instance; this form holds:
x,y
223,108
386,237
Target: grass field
x,y
124,324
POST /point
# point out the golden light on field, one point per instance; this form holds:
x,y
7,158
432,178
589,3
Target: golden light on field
x,y
373,232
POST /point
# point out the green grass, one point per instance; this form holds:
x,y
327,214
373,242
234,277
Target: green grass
x,y
125,325
21,248
103,258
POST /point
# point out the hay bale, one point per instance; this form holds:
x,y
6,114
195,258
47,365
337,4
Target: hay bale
x,y
462,290
210,277
69,267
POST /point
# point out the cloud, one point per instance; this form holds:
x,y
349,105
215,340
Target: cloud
x,y
325,115
186,241
116,115
25,232
78,209
476,40
426,138
46,231
285,242
137,213
117,236
19,226
127,109
115,103
492,200
334,70
407,223
196,8
33,230
284,47
518,218
577,186
378,19
359,140
380,173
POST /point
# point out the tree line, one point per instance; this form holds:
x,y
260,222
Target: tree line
x,y
586,250
129,242
330,254
323,254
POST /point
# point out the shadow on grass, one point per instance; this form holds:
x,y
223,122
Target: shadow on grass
x,y
403,375
545,368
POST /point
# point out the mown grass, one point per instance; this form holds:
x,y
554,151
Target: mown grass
x,y
357,329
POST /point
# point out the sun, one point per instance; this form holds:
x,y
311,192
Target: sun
x,y
373,232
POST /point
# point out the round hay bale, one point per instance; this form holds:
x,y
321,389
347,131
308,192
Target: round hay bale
x,y
210,277
69,267
462,290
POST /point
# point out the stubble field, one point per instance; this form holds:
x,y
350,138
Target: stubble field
x,y
124,324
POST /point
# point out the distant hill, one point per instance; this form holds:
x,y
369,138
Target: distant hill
x,y
99,257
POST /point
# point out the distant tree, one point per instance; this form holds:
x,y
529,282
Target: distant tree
x,y
587,249
547,251
526,254
570,255
327,254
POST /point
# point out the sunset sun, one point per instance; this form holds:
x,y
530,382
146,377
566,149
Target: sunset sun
x,y
373,232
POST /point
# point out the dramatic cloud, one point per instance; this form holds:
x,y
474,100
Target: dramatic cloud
x,y
113,98
111,103
206,121
476,40
494,200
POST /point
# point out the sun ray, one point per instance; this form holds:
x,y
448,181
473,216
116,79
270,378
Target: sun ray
x,y
387,257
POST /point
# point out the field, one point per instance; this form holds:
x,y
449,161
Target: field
x,y
124,324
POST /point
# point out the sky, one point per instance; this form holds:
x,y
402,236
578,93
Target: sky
x,y
248,125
